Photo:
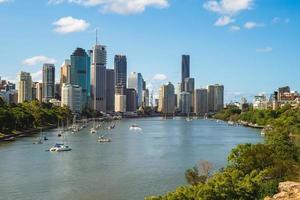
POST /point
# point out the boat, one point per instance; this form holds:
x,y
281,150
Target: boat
x,y
60,148
59,135
189,119
93,130
45,138
231,123
103,139
135,127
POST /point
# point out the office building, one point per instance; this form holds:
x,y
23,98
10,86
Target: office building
x,y
25,87
166,103
145,95
120,103
110,90
80,74
48,82
120,65
98,77
215,97
131,100
135,81
185,102
185,69
200,101
71,96
39,92
65,72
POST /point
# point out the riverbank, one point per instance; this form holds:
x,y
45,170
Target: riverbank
x,y
25,133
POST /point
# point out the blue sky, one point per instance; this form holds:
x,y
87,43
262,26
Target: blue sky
x,y
250,46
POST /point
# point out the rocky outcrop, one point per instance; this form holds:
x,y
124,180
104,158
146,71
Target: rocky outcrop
x,y
287,191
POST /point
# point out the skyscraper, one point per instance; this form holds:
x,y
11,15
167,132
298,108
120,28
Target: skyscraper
x,y
185,102
25,87
185,69
121,70
215,97
71,97
200,101
131,100
39,92
120,98
135,81
80,74
110,89
166,104
98,77
65,71
48,82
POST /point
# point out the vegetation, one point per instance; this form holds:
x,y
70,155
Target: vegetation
x,y
31,114
253,170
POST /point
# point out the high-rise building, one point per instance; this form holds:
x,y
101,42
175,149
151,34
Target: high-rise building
x,y
200,101
178,91
185,69
57,91
189,86
120,103
71,97
131,100
34,90
98,77
145,95
215,97
25,87
65,72
39,92
80,74
185,102
135,81
48,82
110,90
120,70
166,103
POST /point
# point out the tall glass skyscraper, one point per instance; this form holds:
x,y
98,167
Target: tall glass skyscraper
x,y
185,69
121,70
80,74
48,82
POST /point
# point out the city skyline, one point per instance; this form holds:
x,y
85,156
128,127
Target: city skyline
x,y
251,42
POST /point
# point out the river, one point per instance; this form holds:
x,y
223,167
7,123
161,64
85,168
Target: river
x,y
132,166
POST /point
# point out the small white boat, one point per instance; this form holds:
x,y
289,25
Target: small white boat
x,y
135,127
103,139
231,123
60,148
93,131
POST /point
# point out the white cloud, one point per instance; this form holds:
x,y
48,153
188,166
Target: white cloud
x,y
235,28
69,24
228,7
159,77
36,60
278,20
124,7
5,1
251,25
37,76
223,21
264,50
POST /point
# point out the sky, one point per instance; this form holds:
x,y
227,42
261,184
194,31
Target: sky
x,y
249,46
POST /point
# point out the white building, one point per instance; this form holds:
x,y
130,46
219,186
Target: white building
x,y
260,102
98,77
24,87
120,103
71,97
